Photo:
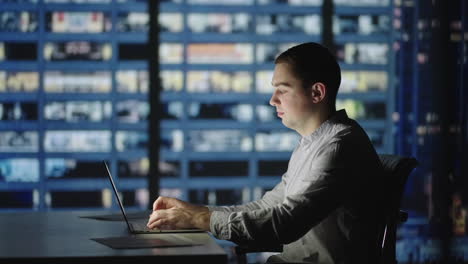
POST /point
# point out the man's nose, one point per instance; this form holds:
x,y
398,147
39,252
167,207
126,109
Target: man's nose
x,y
273,99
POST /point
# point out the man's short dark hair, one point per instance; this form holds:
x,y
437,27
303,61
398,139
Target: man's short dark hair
x,y
312,63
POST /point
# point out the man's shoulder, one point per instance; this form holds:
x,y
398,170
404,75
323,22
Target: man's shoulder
x,y
351,138
344,129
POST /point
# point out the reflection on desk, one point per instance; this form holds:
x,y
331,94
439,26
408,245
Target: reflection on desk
x,y
64,237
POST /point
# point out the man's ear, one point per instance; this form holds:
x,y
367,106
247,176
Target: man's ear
x,y
318,92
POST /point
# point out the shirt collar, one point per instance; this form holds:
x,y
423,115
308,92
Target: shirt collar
x,y
338,117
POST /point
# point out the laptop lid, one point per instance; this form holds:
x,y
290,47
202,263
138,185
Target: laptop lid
x,y
117,196
139,229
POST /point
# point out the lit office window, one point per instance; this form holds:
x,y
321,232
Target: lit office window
x,y
78,22
133,22
19,141
78,111
220,2
263,82
131,141
170,22
292,2
360,3
12,81
169,168
172,81
19,170
76,1
132,111
171,192
363,53
362,110
132,81
276,141
219,23
220,140
128,1
77,50
171,53
288,23
219,81
18,22
267,52
77,141
361,24
220,53
363,81
172,140
77,82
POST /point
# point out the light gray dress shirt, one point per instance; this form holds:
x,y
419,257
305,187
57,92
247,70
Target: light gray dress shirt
x,y
324,210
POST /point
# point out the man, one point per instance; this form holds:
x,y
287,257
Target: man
x,y
324,210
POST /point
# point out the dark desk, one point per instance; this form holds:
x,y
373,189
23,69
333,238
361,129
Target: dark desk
x,y
65,238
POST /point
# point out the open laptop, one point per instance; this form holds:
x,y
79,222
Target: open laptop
x,y
139,227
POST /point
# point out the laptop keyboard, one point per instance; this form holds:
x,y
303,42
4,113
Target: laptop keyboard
x,y
143,228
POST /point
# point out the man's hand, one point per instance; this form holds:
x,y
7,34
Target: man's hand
x,y
171,213
168,203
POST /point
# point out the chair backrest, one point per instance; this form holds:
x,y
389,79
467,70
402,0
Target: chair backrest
x,y
396,172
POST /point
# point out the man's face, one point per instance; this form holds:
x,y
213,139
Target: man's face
x,y
293,103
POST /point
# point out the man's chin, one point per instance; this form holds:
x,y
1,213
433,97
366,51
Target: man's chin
x,y
285,123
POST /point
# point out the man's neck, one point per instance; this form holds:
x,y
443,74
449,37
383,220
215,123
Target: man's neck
x,y
315,121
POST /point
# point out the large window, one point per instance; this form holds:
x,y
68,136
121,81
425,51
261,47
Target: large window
x,y
77,81
73,92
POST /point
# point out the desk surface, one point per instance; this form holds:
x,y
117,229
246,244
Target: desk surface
x,y
64,237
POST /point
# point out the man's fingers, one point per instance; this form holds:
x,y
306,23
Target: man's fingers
x,y
158,224
154,217
168,203
157,203
160,219
160,203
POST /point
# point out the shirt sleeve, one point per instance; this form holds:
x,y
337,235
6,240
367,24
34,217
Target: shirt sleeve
x,y
297,213
269,199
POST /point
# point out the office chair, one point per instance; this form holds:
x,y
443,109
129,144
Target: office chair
x,y
396,170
